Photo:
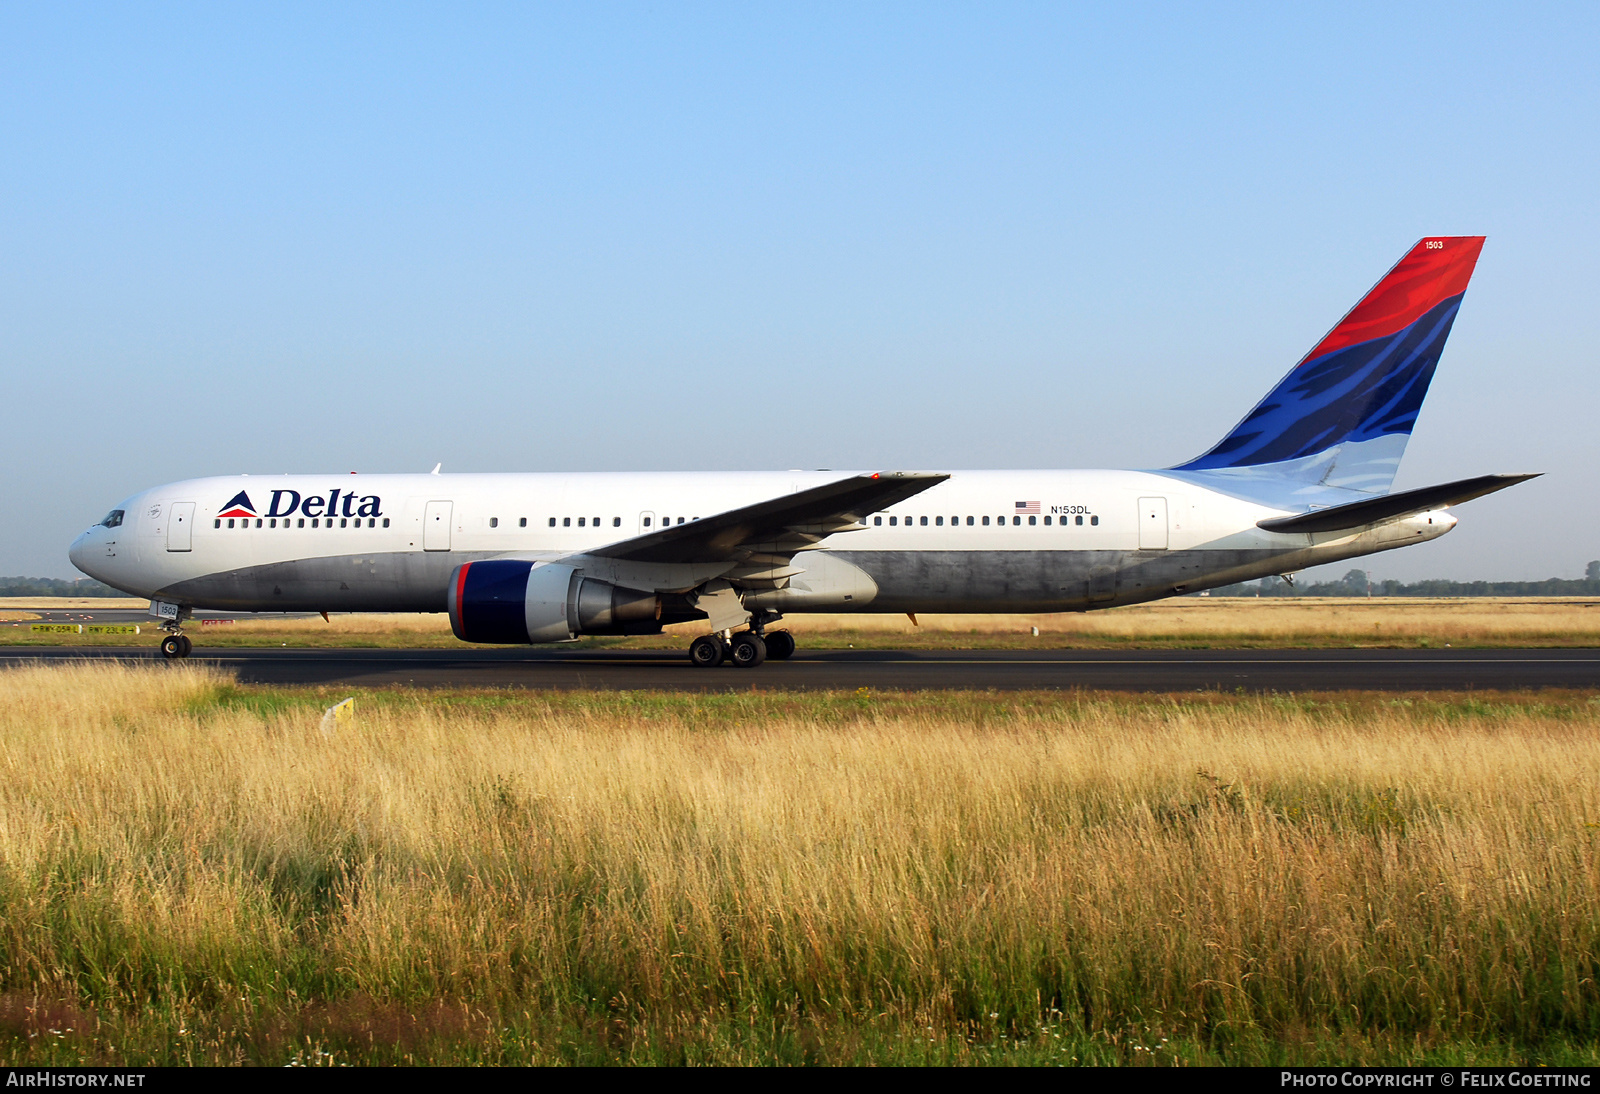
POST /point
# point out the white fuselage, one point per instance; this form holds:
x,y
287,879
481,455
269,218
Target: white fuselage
x,y
979,541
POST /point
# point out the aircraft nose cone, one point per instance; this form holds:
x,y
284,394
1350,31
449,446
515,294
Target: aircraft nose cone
x,y
78,550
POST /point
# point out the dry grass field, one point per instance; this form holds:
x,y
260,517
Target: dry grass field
x,y
1249,622
1188,623
193,872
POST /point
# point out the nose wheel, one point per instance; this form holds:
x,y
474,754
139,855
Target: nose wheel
x,y
175,647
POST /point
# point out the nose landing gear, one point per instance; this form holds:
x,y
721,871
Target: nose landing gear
x,y
176,646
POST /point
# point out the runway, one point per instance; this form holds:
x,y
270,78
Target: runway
x,y
1008,670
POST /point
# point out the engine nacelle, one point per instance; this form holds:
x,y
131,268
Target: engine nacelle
x,y
512,601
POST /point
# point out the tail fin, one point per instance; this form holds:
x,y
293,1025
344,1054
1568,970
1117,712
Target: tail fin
x,y
1343,415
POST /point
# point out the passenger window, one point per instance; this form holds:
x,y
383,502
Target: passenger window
x,y
522,522
647,522
595,522
938,522
566,522
217,523
1015,521
954,521
1078,521
386,522
986,522
893,521
302,522
580,522
969,522
1033,522
494,522
1047,522
924,522
877,522
344,522
313,522
680,520
1094,520
616,522
230,522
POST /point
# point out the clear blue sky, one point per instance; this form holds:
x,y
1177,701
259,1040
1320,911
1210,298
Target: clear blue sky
x,y
663,236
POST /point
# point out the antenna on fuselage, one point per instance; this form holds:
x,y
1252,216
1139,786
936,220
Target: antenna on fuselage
x,y
435,470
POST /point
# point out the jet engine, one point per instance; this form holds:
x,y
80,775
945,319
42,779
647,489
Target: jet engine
x,y
513,601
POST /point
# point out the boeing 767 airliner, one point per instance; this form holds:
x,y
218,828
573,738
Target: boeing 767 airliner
x,y
1304,479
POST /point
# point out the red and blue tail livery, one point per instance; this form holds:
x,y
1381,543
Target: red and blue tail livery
x,y
1343,414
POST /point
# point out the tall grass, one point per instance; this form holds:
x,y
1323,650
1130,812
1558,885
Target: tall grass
x,y
190,872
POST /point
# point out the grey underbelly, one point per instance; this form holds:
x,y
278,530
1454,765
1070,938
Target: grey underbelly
x,y
409,581
930,581
1044,581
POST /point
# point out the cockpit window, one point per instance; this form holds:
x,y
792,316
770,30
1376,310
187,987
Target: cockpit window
x,y
113,519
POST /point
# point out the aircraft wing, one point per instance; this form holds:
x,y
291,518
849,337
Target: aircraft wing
x,y
778,527
1355,514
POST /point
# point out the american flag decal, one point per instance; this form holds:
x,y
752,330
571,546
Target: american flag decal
x,y
1027,508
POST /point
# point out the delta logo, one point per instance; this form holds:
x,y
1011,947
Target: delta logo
x,y
238,506
285,503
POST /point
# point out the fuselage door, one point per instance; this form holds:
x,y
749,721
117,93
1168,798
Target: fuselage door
x,y
180,526
436,526
1152,524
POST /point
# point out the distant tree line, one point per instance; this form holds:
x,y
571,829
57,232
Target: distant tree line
x,y
55,586
1360,583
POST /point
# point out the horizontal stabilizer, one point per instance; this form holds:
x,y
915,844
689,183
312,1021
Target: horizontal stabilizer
x,y
1358,513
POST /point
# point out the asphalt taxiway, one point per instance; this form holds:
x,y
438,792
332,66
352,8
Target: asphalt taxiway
x,y
922,670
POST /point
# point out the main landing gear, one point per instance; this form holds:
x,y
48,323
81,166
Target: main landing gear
x,y
744,650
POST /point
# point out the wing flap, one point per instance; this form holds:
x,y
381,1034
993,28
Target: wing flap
x,y
777,526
